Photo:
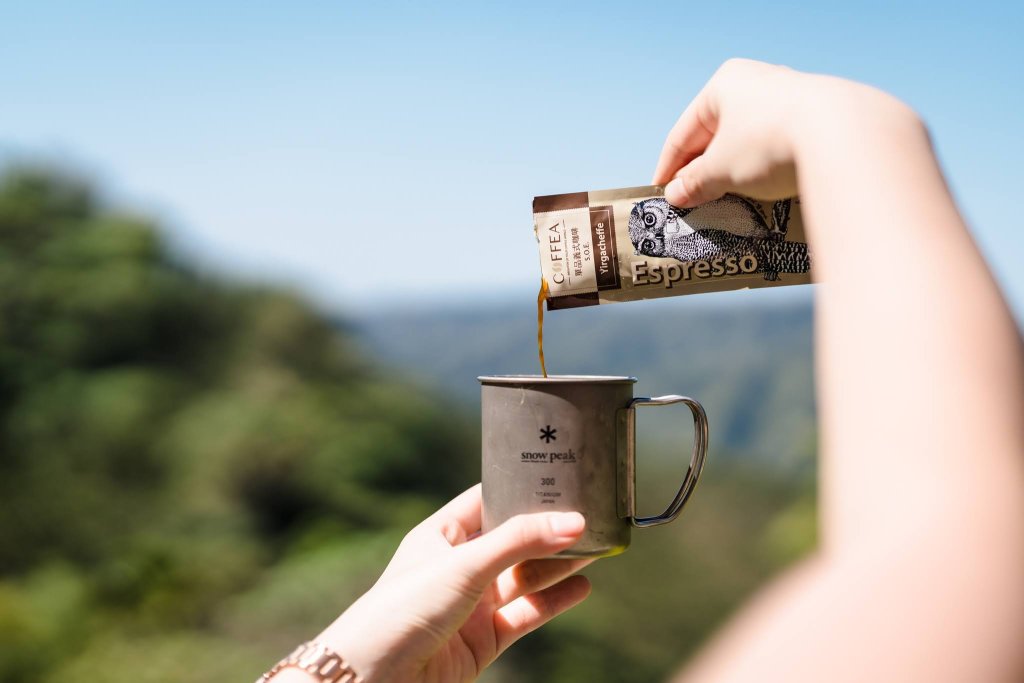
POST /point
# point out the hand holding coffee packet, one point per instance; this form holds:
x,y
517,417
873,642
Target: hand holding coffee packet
x,y
627,244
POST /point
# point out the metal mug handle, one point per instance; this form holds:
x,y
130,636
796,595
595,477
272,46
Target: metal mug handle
x,y
700,451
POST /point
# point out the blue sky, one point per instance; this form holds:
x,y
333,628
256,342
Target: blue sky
x,y
379,152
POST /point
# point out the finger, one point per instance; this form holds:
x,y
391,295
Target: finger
x,y
702,180
519,617
460,517
524,537
532,576
688,138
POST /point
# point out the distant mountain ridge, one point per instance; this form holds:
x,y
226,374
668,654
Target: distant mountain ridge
x,y
749,363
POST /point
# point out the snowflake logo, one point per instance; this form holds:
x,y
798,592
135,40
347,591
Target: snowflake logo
x,y
547,434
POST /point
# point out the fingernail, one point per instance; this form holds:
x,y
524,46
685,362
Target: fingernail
x,y
566,523
675,193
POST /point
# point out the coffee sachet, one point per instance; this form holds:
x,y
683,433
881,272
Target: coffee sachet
x,y
628,244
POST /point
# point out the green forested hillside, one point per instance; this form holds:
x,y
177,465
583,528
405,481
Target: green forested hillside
x,y
174,448
748,360
196,474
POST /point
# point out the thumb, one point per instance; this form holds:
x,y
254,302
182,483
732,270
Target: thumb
x,y
521,538
700,181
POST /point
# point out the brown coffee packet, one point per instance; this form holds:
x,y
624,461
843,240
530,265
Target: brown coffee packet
x,y
628,244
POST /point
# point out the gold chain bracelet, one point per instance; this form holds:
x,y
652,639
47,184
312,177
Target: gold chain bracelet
x,y
319,662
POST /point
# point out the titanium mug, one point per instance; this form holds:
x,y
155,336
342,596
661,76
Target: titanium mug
x,y
568,442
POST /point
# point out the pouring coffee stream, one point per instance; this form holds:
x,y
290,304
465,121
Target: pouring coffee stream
x,y
541,298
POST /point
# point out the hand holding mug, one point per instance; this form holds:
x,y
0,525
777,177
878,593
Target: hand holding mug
x,y
451,600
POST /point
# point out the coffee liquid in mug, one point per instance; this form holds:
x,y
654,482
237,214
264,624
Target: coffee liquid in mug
x,y
541,298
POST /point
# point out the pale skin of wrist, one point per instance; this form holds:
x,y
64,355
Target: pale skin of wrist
x,y
336,636
292,676
333,638
336,645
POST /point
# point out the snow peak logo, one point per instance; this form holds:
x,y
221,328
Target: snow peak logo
x,y
548,456
547,434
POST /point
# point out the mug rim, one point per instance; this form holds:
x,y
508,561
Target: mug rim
x,y
556,379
